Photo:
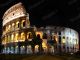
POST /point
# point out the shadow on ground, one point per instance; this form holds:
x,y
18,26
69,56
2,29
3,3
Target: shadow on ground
x,y
38,57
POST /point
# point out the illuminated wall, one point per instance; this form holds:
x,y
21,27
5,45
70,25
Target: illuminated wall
x,y
69,37
14,12
15,18
17,30
15,21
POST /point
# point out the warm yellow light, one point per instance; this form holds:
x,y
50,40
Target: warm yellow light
x,y
22,35
36,46
12,37
13,24
6,39
40,33
63,41
9,26
29,37
3,42
23,21
16,37
9,39
6,29
17,22
44,45
56,38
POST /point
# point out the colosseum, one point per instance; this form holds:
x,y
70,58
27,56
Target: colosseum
x,y
19,37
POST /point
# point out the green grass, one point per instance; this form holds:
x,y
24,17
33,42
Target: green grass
x,y
38,57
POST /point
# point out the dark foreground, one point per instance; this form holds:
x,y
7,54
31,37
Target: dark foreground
x,y
39,57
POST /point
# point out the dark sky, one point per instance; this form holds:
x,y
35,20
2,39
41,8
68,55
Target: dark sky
x,y
48,12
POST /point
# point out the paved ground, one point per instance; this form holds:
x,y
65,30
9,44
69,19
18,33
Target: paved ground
x,y
37,57
43,57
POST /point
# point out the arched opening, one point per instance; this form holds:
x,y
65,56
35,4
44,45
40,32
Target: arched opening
x,y
51,50
36,48
9,39
63,40
23,24
17,24
13,26
9,27
6,39
3,41
44,46
29,36
16,49
22,36
12,38
22,49
16,37
39,33
29,49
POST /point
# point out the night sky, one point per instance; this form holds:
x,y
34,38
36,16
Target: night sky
x,y
48,12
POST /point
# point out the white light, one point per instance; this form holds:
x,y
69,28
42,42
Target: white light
x,y
19,12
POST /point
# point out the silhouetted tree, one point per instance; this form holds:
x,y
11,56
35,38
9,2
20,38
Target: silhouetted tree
x,y
37,41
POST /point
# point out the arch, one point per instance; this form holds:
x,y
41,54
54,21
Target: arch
x,y
22,36
29,35
39,33
12,37
63,39
6,39
17,24
9,39
16,37
23,24
36,48
9,27
13,26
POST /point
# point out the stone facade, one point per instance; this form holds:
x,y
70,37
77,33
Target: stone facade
x,y
18,35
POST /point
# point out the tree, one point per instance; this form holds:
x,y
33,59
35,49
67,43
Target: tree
x,y
37,41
